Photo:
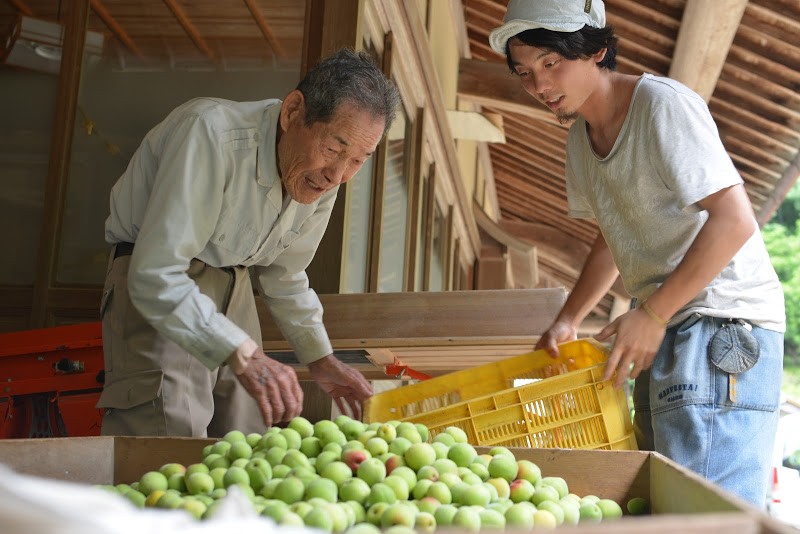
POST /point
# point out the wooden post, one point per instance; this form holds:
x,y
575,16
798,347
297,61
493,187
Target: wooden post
x,y
331,25
69,80
379,186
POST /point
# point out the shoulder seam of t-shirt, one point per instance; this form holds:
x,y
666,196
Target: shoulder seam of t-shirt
x,y
674,86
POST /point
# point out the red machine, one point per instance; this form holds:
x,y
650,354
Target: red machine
x,y
50,382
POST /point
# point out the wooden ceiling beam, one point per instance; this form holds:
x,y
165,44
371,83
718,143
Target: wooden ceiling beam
x,y
705,36
515,208
753,136
544,197
514,201
490,84
780,191
746,116
525,144
545,215
777,22
628,66
22,7
483,51
756,154
531,165
266,31
770,44
559,246
509,167
767,68
116,28
767,89
541,163
490,7
649,17
635,50
753,166
191,30
556,130
642,34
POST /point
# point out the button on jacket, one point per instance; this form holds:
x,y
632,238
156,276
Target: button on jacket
x,y
204,184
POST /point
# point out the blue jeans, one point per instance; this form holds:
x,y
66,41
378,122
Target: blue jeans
x,y
684,410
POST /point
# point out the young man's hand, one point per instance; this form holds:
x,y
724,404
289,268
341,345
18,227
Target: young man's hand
x,y
638,337
274,387
559,332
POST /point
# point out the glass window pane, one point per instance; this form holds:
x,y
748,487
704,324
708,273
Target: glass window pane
x,y
358,229
421,256
27,110
29,81
395,212
148,66
439,250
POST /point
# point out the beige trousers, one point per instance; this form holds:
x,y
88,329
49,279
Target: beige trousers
x,y
155,388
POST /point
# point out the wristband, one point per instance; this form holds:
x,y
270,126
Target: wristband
x,y
649,311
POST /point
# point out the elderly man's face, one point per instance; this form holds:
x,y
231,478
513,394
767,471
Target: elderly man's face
x,y
315,159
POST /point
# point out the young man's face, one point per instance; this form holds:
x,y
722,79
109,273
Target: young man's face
x,y
561,84
315,159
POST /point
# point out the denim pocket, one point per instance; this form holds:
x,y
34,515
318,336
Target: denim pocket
x,y
758,358
733,348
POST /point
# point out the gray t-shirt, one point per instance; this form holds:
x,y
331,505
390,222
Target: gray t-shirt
x,y
644,194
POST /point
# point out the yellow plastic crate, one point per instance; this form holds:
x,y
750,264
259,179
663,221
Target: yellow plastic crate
x,y
566,405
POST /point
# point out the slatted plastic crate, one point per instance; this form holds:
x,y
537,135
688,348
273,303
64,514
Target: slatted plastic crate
x,y
561,403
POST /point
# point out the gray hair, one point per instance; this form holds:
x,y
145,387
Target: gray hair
x,y
348,76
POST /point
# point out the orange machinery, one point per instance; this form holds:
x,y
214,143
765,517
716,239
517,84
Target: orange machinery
x,y
50,381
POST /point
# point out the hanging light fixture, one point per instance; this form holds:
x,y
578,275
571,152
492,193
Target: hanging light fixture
x,y
36,44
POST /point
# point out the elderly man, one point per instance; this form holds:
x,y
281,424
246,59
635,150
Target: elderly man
x,y
705,343
215,192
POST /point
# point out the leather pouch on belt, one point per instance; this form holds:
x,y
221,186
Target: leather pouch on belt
x,y
733,348
132,391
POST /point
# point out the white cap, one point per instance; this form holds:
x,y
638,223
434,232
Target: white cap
x,y
554,15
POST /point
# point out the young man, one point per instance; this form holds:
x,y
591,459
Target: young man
x,y
217,190
705,342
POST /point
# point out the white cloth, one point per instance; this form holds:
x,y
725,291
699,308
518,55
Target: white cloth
x,y
204,184
34,505
644,194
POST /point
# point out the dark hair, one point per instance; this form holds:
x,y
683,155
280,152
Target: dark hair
x,y
348,76
581,44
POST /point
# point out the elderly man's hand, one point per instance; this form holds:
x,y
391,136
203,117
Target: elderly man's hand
x,y
274,386
341,381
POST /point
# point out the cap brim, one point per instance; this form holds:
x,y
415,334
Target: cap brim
x,y
499,37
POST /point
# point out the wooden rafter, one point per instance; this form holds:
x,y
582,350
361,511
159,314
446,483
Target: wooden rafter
x,y
780,191
266,31
559,247
191,30
22,7
490,84
100,9
706,34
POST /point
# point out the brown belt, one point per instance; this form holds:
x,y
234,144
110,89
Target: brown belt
x,y
123,249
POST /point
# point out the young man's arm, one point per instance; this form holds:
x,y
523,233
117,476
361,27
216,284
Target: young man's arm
x,y
638,334
596,278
